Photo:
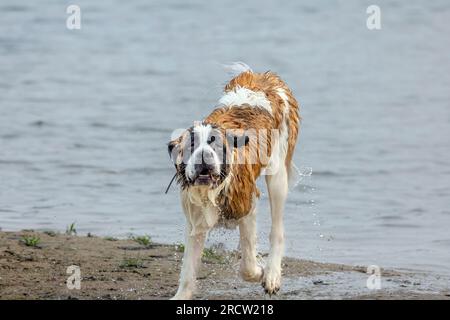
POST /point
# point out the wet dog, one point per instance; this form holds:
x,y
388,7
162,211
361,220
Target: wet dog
x,y
252,132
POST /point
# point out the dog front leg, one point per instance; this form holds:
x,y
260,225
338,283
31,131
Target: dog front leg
x,y
191,260
250,270
277,186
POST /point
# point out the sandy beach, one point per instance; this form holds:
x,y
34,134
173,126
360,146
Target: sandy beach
x,y
126,269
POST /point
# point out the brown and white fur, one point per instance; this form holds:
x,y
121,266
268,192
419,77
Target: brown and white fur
x,y
217,187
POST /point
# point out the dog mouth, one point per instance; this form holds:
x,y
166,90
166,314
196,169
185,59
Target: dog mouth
x,y
205,180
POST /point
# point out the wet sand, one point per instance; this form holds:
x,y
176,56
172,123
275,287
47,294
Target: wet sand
x,y
125,269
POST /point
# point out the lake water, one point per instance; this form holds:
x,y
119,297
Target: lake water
x,y
85,116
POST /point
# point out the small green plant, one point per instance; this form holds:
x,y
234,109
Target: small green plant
x,y
132,263
108,238
31,241
179,247
142,240
71,230
210,254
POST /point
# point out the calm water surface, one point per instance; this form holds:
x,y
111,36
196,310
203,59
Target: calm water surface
x,y
85,116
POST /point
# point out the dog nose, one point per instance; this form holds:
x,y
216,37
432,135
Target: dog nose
x,y
204,166
207,157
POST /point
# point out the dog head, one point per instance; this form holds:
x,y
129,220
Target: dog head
x,y
203,153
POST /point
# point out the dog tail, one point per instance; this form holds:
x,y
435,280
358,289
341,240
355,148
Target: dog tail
x,y
236,68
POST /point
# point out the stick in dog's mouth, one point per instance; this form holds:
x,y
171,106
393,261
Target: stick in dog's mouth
x,y
170,183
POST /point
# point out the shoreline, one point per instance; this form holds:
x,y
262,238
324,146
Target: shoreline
x,y
139,269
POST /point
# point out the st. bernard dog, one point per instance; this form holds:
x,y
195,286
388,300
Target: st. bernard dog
x,y
252,132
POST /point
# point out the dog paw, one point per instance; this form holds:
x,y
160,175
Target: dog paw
x,y
182,296
271,281
252,275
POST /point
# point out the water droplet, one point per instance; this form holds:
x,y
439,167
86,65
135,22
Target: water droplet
x,y
306,171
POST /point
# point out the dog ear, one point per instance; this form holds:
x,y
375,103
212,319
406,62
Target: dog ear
x,y
173,147
170,147
176,146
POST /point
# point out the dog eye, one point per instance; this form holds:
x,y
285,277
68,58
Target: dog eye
x,y
211,139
